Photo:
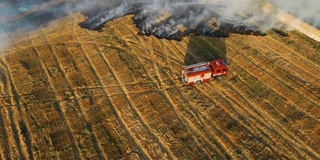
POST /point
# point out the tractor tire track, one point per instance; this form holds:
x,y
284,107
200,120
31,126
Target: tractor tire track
x,y
235,107
289,132
17,137
307,47
45,70
282,76
105,94
277,80
78,107
261,120
312,67
291,57
120,118
4,139
58,106
163,147
93,136
285,74
236,116
310,151
223,144
124,124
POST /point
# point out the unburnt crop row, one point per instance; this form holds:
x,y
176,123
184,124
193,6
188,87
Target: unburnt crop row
x,y
247,111
302,45
292,80
19,124
7,101
280,118
255,118
270,94
261,61
306,68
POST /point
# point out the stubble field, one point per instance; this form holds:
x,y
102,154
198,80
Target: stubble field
x,y
71,93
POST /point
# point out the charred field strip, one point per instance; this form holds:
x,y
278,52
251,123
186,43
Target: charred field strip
x,y
173,24
71,93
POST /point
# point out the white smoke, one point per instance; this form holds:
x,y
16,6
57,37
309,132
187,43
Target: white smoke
x,y
4,39
239,12
306,10
229,10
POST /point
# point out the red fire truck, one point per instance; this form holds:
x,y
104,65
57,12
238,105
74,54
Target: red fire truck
x,y
204,71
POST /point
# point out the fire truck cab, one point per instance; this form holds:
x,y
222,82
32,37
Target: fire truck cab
x,y
204,71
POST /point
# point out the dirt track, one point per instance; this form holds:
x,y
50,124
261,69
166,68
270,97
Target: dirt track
x,y
67,93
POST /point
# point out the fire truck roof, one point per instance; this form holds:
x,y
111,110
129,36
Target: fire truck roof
x,y
198,68
196,65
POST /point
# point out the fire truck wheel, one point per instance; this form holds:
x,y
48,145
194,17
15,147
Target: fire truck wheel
x,y
218,77
197,82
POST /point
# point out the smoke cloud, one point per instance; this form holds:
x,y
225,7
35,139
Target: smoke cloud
x,y
177,18
163,18
307,10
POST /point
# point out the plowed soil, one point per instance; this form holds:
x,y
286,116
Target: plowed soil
x,y
70,93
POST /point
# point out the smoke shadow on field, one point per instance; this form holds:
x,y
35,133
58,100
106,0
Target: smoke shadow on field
x,y
204,49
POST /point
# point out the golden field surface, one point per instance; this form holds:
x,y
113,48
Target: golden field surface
x,y
70,93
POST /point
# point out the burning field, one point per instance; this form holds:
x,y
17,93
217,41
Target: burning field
x,y
83,87
174,20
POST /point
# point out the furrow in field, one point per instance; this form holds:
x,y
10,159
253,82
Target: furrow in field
x,y
17,121
110,59
301,82
280,86
76,123
266,92
87,56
